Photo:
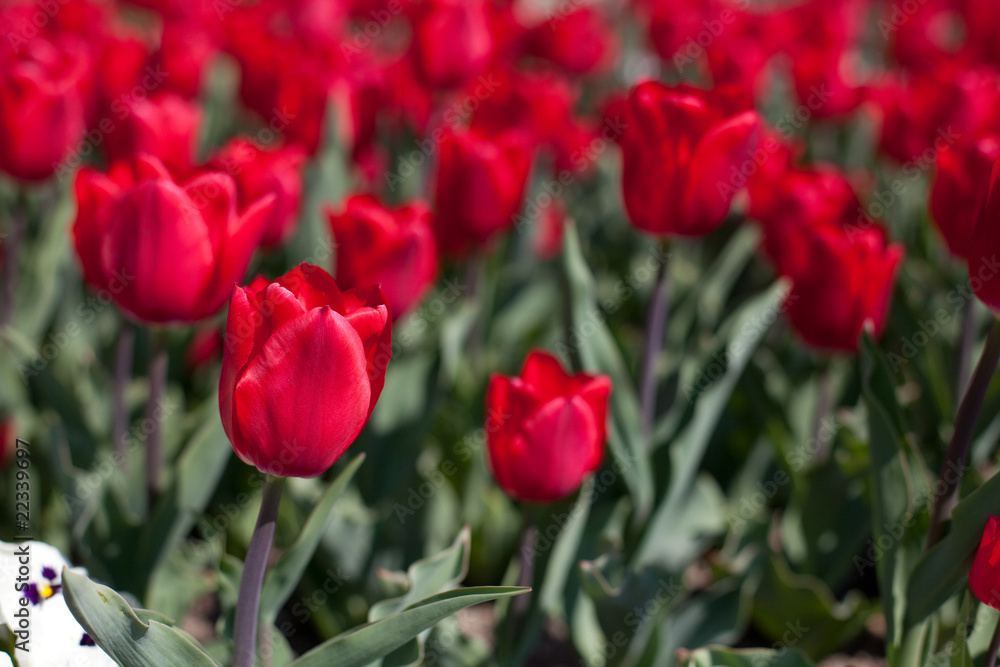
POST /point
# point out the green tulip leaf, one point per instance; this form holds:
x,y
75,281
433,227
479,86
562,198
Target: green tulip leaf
x,y
372,641
137,638
281,580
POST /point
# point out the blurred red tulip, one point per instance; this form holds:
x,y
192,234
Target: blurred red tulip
x,y
841,265
984,576
302,369
479,186
933,110
42,111
579,41
165,251
393,248
983,263
186,49
963,175
546,430
261,170
204,347
165,126
682,160
452,41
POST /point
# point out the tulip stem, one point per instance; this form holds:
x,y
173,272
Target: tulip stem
x,y
11,266
123,373
527,573
991,652
965,346
157,388
248,603
965,422
656,322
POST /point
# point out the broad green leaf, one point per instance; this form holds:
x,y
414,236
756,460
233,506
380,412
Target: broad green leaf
x,y
598,352
122,634
899,495
360,646
959,649
198,471
727,657
789,604
746,329
945,568
429,576
281,580
441,572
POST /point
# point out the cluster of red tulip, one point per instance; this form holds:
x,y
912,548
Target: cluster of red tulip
x,y
489,91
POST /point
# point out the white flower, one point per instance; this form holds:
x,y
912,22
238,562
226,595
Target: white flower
x,y
31,593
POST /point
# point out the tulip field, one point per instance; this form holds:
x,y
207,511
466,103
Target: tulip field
x,y
513,333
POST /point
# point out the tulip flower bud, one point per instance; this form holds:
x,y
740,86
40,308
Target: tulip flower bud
x,y
391,248
259,171
984,577
683,160
963,175
547,429
164,251
41,107
479,187
451,41
984,266
302,369
165,127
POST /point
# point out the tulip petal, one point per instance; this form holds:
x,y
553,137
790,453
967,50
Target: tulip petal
x,y
313,287
95,193
545,375
563,436
725,146
305,398
158,237
239,343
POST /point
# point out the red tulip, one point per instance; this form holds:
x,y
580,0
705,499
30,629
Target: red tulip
x,y
392,248
166,251
165,126
963,174
579,41
983,263
259,171
682,160
285,82
451,41
849,282
302,369
186,48
479,185
546,429
984,576
42,111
